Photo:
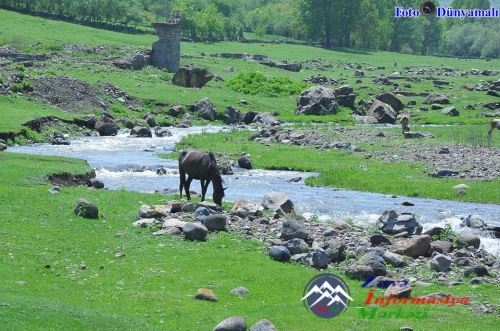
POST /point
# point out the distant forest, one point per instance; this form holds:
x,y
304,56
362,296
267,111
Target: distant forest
x,y
366,24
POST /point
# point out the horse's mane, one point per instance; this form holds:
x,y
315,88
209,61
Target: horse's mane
x,y
215,168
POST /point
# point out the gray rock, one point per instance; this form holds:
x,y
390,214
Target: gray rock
x,y
360,272
317,100
436,98
451,111
201,213
86,209
54,190
194,231
192,77
205,109
373,262
440,263
97,183
240,290
440,247
296,246
233,323
341,225
378,239
413,247
382,112
468,239
479,270
393,101
394,259
335,250
303,258
279,253
319,258
215,222
278,203
398,291
263,325
293,228
244,162
243,208
232,116
106,125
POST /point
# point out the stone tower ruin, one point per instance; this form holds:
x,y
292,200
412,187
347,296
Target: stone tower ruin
x,y
167,50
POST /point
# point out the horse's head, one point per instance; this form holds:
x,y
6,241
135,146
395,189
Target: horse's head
x,y
218,195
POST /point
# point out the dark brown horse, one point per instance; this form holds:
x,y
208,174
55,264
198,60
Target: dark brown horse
x,y
202,166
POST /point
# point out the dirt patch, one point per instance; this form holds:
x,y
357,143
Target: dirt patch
x,y
67,179
77,96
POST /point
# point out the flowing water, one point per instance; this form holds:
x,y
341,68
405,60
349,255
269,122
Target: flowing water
x,y
122,162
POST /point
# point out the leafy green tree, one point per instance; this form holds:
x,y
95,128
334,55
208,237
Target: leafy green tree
x,y
366,33
210,22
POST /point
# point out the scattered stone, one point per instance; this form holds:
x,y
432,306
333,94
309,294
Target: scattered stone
x,y
215,222
86,209
194,231
292,228
233,323
240,290
54,190
205,294
263,325
279,253
468,239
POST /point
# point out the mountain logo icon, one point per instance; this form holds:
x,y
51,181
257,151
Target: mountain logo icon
x,y
326,295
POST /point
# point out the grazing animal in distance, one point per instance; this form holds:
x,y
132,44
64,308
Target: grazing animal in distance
x,y
405,124
203,167
395,64
494,124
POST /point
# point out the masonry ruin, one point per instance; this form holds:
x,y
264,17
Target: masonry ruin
x,y
166,51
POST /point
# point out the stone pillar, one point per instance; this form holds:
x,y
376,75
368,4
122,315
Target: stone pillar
x,y
167,50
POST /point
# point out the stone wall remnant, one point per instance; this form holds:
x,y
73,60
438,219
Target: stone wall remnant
x,y
167,50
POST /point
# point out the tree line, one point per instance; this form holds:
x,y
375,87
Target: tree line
x,y
366,24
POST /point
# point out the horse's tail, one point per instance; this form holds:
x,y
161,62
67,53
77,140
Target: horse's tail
x,y
182,173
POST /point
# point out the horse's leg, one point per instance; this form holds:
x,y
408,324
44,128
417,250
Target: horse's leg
x,y
204,187
182,176
186,186
489,135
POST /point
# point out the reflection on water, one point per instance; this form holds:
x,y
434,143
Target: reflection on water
x,y
114,157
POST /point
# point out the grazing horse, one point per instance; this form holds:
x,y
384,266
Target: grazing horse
x,y
405,124
202,166
495,124
395,64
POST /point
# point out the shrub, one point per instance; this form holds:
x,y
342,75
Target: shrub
x,y
254,83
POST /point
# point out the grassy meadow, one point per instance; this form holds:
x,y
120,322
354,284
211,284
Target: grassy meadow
x,y
61,272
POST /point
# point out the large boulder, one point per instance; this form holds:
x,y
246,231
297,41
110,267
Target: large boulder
x,y
141,132
317,100
412,247
205,109
243,208
391,222
192,77
86,209
293,228
266,119
232,115
106,125
393,101
278,203
345,96
436,98
382,112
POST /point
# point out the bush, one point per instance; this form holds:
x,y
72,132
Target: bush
x,y
254,83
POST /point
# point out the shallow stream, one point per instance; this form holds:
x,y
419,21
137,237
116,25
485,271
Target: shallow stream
x,y
131,163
